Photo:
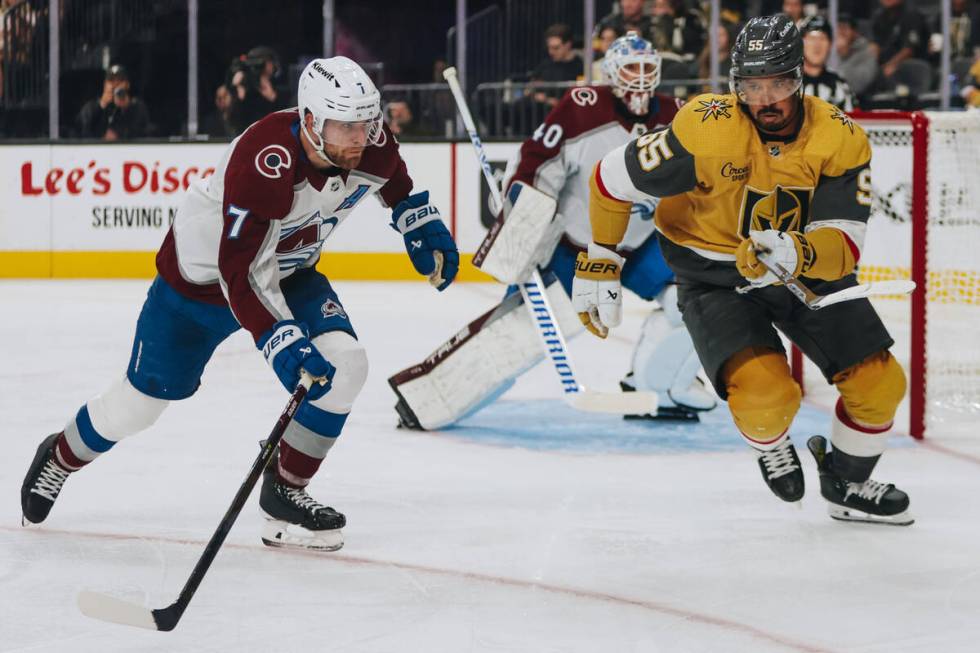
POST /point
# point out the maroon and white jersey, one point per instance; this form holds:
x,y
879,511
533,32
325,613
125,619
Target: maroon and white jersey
x,y
266,212
585,125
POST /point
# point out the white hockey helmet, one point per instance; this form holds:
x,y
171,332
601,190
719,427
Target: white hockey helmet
x,y
337,90
631,66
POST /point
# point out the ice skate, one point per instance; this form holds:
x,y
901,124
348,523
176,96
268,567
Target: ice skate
x,y
870,501
294,519
43,483
782,471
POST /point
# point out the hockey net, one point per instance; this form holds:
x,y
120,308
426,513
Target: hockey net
x,y
925,226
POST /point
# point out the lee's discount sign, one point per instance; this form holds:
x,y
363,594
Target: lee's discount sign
x,y
96,197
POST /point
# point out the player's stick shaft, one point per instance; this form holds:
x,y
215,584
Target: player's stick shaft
x,y
165,619
814,302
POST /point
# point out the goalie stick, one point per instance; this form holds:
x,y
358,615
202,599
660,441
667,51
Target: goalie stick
x,y
542,315
814,302
108,608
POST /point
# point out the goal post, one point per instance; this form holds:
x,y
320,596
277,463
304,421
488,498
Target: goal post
x,y
925,225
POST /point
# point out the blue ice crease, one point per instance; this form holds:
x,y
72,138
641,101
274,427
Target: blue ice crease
x,y
550,425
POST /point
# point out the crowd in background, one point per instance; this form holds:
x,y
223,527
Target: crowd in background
x,y
887,52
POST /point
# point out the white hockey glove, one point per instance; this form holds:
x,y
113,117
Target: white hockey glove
x,y
597,295
781,248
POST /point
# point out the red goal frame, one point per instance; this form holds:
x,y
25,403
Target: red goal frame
x,y
919,208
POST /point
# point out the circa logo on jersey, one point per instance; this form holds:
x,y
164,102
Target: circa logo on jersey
x,y
783,209
584,97
837,114
714,108
734,172
272,160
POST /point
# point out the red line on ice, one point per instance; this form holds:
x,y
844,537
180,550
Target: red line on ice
x,y
653,606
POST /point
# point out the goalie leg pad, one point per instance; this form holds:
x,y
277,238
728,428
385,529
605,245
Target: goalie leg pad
x,y
664,359
762,395
523,236
478,363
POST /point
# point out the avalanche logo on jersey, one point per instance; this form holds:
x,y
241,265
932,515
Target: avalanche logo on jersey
x,y
330,308
272,160
783,209
299,244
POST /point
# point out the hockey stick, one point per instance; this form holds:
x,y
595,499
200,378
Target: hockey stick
x,y
813,301
542,315
108,608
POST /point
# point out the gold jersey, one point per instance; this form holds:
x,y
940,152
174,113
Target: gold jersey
x,y
719,179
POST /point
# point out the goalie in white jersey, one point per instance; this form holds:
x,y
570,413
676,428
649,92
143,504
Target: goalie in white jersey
x,y
547,224
242,253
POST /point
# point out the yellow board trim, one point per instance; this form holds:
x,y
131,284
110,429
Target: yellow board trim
x,y
340,266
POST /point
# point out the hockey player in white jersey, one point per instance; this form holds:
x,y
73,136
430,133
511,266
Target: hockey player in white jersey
x,y
549,176
242,254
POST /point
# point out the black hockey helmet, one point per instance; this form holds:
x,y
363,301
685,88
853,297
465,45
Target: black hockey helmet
x,y
768,46
817,23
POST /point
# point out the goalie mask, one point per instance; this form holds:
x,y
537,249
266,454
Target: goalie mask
x,y
344,103
632,68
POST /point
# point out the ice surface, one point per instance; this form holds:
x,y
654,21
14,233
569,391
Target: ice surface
x,y
528,528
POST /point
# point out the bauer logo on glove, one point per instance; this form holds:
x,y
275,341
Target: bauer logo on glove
x,y
596,289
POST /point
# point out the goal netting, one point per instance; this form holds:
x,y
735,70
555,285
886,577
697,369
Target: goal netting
x,y
925,226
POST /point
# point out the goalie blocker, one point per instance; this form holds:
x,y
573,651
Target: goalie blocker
x,y
523,237
478,364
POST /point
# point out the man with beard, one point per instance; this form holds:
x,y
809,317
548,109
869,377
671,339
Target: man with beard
x,y
242,253
764,172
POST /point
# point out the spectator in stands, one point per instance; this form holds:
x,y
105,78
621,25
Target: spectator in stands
x,y
218,122
401,121
676,30
599,46
250,78
116,115
898,34
964,31
562,64
794,9
725,38
629,17
857,62
971,89
825,84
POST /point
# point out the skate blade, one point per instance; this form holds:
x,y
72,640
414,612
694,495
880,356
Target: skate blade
x,y
284,535
841,513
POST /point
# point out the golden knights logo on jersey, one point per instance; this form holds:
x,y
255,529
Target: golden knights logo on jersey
x,y
785,208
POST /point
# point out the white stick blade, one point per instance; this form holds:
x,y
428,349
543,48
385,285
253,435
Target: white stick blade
x,y
108,608
618,403
873,289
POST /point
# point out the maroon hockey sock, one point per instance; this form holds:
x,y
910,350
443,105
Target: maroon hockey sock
x,y
65,457
295,468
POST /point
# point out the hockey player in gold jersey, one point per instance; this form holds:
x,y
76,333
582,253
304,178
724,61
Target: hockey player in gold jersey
x,y
763,169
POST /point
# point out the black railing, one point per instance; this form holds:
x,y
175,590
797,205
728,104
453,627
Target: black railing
x,y
24,63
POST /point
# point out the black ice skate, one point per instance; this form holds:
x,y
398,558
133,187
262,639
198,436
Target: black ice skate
x,y
294,519
870,501
43,482
782,471
676,413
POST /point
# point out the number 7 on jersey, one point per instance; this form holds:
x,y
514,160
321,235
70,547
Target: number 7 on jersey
x,y
236,226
